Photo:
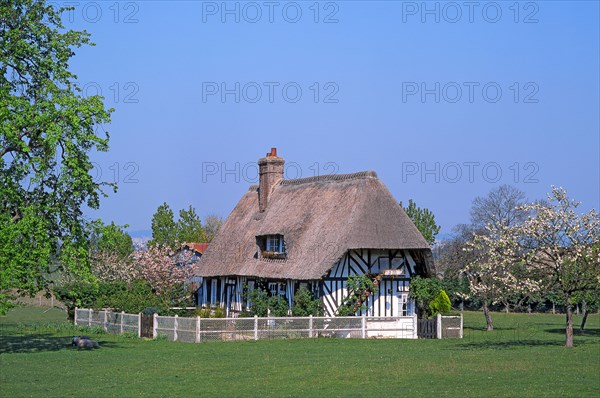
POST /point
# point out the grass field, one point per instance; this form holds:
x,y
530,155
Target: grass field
x,y
524,356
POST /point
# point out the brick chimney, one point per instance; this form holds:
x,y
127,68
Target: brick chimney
x,y
270,172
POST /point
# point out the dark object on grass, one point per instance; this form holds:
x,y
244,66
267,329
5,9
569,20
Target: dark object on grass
x,y
84,342
87,344
76,339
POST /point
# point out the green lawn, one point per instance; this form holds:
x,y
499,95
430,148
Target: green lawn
x,y
524,356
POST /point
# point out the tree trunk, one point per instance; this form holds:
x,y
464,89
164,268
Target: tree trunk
x,y
569,329
553,308
488,316
585,315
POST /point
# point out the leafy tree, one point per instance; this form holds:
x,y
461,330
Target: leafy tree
x,y
110,253
558,248
189,226
561,249
113,239
424,221
48,130
423,291
164,229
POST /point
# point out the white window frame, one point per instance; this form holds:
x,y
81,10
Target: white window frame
x,y
274,243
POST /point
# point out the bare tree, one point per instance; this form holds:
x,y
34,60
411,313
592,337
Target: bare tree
x,y
212,224
500,208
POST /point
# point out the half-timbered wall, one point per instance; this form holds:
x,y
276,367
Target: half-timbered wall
x,y
395,268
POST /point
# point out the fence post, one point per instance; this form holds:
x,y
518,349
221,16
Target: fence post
x,y
415,327
122,316
255,327
90,317
197,329
154,325
364,326
105,321
139,324
461,325
75,317
175,324
439,326
310,326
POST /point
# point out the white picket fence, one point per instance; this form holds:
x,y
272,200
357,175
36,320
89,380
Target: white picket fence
x,y
111,322
227,329
197,330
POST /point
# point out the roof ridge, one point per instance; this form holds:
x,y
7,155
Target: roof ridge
x,y
331,177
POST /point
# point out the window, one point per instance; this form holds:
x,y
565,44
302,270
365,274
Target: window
x,y
403,305
272,246
275,243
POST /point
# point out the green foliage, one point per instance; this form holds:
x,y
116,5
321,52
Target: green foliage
x,y
262,303
77,294
424,220
278,305
525,347
359,288
164,229
111,238
423,291
47,133
189,227
212,312
305,304
440,304
115,295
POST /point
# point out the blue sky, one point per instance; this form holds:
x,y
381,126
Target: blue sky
x,y
445,100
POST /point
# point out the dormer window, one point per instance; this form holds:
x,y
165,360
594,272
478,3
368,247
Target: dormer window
x,y
272,246
275,243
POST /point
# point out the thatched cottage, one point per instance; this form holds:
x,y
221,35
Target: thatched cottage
x,y
314,232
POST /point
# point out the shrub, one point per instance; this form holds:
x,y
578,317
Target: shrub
x,y
440,304
278,306
305,304
212,312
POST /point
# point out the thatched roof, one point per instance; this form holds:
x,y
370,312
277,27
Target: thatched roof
x,y
320,218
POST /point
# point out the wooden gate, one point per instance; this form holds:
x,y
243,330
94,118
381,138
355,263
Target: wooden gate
x,y
427,328
147,325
